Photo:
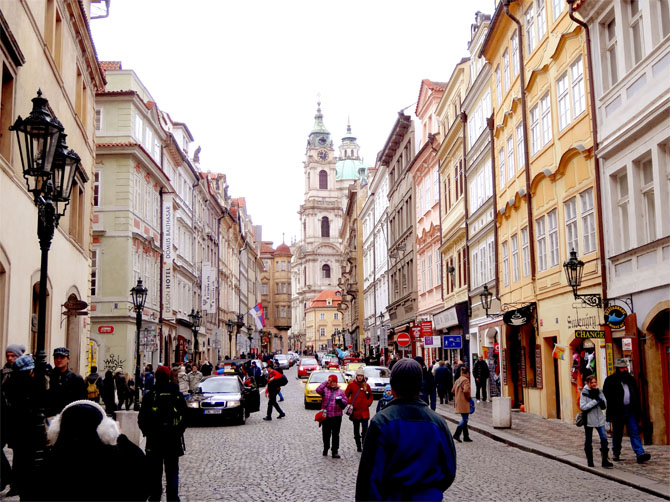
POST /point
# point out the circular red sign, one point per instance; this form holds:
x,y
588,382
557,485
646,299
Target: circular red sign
x,y
403,339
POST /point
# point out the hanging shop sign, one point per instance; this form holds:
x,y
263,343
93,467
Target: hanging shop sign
x,y
446,318
426,328
610,358
589,333
496,348
518,317
524,369
503,366
627,344
615,316
416,332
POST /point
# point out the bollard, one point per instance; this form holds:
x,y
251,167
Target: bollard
x,y
502,412
128,424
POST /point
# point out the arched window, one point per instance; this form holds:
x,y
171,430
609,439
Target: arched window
x,y
325,272
325,227
323,180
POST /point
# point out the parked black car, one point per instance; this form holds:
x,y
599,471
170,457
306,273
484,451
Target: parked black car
x,y
223,396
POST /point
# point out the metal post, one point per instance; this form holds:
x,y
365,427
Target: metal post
x,y
138,323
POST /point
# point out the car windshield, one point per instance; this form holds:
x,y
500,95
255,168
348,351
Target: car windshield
x,y
280,357
322,376
377,372
306,362
354,366
212,385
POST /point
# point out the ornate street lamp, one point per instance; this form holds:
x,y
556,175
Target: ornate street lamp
x,y
486,297
139,296
196,322
229,326
574,268
250,336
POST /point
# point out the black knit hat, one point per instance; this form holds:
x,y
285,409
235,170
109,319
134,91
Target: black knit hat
x,y
406,378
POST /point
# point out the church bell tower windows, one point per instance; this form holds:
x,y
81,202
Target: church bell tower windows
x,y
323,180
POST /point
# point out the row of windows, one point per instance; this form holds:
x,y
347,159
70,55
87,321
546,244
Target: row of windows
x,y
427,282
456,270
322,316
458,186
424,192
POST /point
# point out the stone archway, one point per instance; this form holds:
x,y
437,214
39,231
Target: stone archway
x,y
656,332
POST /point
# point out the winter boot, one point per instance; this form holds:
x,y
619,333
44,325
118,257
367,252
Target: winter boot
x,y
466,434
358,444
457,434
606,463
589,456
335,455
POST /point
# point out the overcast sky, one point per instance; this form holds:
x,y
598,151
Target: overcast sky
x,y
245,77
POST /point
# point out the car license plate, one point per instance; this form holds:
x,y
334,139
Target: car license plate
x,y
213,412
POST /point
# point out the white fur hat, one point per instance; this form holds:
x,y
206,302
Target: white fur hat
x,y
108,430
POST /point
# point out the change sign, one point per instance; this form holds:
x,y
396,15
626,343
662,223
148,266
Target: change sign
x,y
589,333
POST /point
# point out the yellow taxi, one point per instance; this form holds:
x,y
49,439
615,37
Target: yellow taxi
x,y
315,379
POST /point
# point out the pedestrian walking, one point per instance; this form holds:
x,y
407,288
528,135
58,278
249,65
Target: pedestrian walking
x,y
80,435
359,397
333,400
148,379
386,398
462,397
109,392
591,402
443,382
275,381
408,453
428,389
182,380
206,368
130,396
481,373
65,386
624,410
194,378
12,353
161,420
122,389
94,385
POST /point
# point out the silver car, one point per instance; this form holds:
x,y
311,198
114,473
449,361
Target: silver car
x,y
378,377
282,361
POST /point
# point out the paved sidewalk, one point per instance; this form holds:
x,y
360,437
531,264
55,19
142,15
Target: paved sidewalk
x,y
565,443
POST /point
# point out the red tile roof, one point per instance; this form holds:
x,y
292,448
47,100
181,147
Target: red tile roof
x,y
321,299
283,249
110,65
266,248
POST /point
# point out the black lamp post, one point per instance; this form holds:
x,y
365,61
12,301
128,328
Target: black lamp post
x,y
250,336
239,324
196,321
139,296
486,297
574,268
229,326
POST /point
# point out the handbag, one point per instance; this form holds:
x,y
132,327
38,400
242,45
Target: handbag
x,y
472,406
579,419
349,409
322,414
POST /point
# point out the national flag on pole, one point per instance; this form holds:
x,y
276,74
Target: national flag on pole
x,y
259,317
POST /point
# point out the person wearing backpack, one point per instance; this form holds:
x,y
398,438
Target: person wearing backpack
x,y
94,385
162,421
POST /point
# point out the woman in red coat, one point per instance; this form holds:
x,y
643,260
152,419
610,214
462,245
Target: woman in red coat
x,y
359,395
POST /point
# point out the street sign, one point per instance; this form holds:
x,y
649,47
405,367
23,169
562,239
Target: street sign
x,y
416,331
426,328
105,329
589,333
452,342
403,339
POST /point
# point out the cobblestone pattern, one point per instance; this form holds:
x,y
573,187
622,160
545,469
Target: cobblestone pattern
x,y
570,439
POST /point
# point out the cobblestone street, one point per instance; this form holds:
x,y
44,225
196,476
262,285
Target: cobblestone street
x,y
281,460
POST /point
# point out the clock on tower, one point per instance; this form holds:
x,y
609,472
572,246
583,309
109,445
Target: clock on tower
x,y
323,155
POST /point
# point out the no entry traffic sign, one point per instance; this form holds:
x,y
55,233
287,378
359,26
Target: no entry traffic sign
x,y
403,339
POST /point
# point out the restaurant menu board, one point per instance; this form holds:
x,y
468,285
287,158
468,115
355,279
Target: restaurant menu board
x,y
538,367
503,366
494,379
524,371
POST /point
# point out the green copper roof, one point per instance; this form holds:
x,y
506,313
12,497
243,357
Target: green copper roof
x,y
347,169
319,127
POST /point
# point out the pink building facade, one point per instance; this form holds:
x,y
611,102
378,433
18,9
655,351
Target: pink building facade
x,y
425,174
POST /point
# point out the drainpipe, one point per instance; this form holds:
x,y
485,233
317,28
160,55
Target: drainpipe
x,y
489,124
464,121
526,155
596,161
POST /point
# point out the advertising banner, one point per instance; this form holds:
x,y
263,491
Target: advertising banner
x,y
168,238
208,293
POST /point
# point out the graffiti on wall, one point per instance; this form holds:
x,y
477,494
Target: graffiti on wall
x,y
113,362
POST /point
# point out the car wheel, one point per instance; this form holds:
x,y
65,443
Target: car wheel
x,y
242,419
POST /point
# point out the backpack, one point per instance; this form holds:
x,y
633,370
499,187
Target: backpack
x,y
92,389
164,417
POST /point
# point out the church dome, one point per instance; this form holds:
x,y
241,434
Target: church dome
x,y
347,169
283,249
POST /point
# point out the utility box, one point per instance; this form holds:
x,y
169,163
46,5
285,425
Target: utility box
x,y
128,424
502,412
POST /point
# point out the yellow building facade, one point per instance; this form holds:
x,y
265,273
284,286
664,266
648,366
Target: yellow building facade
x,y
322,318
555,141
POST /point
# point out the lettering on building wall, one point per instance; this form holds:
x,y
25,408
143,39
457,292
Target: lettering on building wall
x,y
113,362
503,366
168,237
587,321
538,367
524,371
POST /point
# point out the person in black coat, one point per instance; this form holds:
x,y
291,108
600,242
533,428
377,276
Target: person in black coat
x,y
65,386
162,420
109,392
444,381
481,374
624,409
428,389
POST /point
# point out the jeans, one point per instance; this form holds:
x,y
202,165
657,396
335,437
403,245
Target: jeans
x,y
155,468
630,422
588,437
481,384
272,403
331,427
464,419
357,429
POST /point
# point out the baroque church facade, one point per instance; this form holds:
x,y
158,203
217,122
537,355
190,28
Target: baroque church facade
x,y
317,255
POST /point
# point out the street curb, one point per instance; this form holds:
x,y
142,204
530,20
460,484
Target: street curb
x,y
633,480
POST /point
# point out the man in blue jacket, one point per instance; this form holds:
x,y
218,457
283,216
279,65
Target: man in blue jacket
x,y
409,453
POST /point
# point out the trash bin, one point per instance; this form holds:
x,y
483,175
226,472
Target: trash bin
x,y
502,412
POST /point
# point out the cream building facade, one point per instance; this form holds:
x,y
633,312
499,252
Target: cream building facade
x,y
322,318
47,45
